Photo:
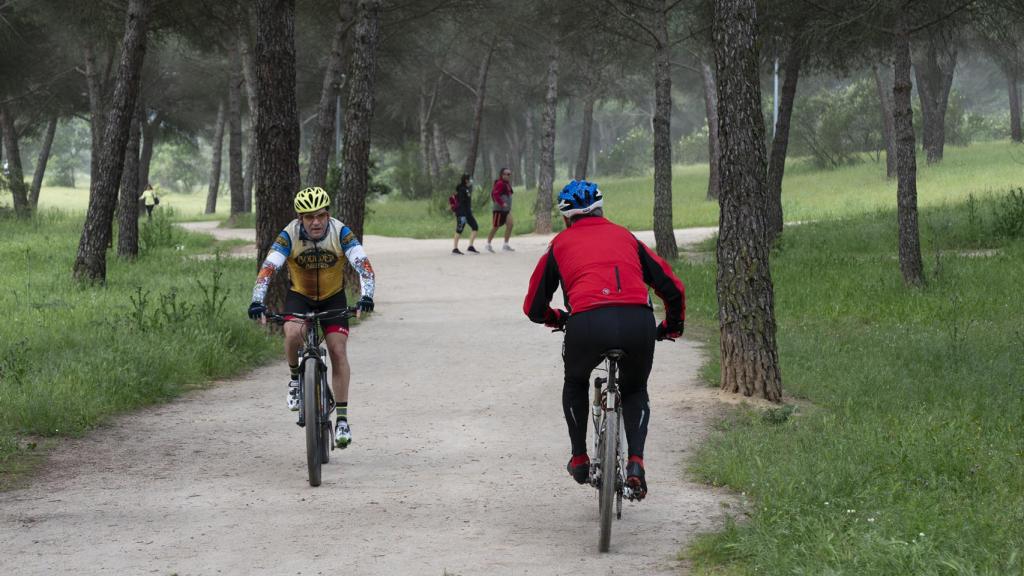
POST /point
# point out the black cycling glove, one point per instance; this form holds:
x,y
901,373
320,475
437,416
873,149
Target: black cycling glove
x,y
257,310
365,304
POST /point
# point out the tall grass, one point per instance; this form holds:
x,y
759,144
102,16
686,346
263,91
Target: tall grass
x,y
72,355
909,458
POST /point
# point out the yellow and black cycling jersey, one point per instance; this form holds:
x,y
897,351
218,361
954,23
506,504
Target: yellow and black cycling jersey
x,y
317,266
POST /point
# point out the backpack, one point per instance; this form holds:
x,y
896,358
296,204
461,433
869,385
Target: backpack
x,y
453,202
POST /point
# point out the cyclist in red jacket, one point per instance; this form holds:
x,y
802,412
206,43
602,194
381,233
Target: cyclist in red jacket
x,y
604,272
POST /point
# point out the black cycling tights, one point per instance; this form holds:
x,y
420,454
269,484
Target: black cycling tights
x,y
587,335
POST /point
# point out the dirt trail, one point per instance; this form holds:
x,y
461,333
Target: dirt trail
x,y
457,464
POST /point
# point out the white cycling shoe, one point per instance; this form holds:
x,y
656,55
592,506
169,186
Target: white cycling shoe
x,y
342,434
294,400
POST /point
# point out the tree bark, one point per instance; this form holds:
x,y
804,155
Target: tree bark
x,y
1014,91
149,132
359,115
714,145
249,71
235,181
746,309
478,113
444,157
43,158
934,71
542,208
530,160
425,139
323,136
218,147
780,142
888,131
128,205
22,207
91,261
583,158
906,165
97,116
664,234
277,129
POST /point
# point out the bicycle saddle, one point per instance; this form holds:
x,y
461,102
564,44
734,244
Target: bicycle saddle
x,y
614,353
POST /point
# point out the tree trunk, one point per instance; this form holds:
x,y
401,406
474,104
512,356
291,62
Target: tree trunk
x,y
277,129
478,113
888,131
906,165
149,132
530,169
235,181
746,309
1014,84
780,142
97,115
17,177
359,115
444,157
128,205
44,157
249,71
583,158
218,147
934,71
425,140
91,261
714,145
664,235
542,208
323,136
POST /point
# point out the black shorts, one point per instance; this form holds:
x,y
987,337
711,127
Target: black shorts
x,y
498,218
461,221
296,303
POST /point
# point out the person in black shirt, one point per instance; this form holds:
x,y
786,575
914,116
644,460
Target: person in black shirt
x,y
464,214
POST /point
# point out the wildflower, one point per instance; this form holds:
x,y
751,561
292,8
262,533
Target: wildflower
x,y
871,519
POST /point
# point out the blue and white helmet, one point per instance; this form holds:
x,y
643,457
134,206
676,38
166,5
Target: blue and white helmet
x,y
579,197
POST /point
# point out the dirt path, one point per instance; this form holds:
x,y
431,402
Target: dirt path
x,y
457,465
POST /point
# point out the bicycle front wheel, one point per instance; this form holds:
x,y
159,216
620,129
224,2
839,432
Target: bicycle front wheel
x,y
326,430
311,409
609,476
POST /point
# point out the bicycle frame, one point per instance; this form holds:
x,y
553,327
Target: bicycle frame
x,y
607,399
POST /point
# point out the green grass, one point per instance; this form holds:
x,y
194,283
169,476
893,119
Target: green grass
x,y
908,457
72,355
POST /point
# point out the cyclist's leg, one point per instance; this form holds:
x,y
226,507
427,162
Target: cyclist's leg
x,y
341,373
294,303
638,331
581,352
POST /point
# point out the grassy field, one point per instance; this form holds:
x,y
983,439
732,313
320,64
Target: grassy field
x,y
907,454
71,355
809,193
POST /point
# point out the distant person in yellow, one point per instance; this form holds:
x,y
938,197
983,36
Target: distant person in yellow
x,y
151,199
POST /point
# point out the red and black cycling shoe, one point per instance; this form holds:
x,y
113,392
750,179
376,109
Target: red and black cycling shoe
x,y
579,468
635,477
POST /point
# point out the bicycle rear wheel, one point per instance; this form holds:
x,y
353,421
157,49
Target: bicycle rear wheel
x,y
311,409
609,476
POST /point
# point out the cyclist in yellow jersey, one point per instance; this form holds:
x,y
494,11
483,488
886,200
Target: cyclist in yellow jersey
x,y
315,247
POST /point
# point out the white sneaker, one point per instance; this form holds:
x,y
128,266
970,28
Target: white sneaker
x,y
490,249
507,248
294,400
342,434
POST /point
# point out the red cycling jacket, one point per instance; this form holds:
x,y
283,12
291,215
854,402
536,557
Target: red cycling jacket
x,y
599,264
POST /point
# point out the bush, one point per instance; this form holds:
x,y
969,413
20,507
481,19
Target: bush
x,y
408,176
692,148
160,230
1009,215
630,155
835,126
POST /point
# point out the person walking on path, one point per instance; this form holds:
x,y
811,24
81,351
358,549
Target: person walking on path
x,y
604,272
150,198
464,214
501,195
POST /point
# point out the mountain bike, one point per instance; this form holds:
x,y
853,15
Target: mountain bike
x,y
317,400
608,468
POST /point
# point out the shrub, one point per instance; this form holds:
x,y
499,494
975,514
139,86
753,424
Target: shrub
x,y
1009,215
692,148
630,155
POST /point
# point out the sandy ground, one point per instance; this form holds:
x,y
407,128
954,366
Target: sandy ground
x,y
457,465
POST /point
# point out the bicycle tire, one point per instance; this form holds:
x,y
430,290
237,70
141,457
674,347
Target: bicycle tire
x,y
310,408
326,430
609,476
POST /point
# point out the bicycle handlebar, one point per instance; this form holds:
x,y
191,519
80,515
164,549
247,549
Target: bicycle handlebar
x,y
296,317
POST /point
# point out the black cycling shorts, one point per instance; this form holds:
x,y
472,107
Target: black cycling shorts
x,y
461,221
296,303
